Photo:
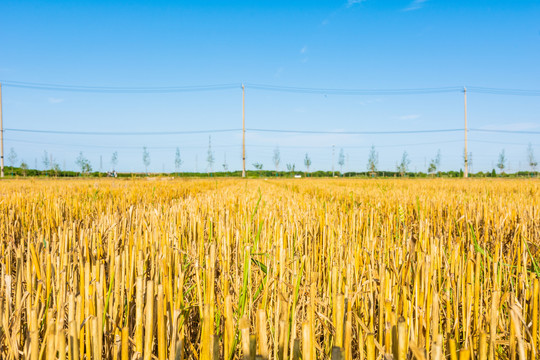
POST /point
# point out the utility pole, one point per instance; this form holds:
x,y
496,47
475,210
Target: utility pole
x,y
243,131
1,135
466,171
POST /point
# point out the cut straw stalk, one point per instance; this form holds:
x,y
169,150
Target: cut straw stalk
x,y
149,326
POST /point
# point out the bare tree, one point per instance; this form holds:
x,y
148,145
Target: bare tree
x,y
177,160
83,163
435,163
307,162
24,167
403,166
373,160
530,158
276,158
12,157
290,167
114,160
341,160
225,165
146,159
45,160
210,156
501,164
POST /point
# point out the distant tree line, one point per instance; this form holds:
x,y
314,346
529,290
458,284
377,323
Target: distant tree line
x,y
52,168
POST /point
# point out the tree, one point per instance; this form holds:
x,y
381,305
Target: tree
x,y
373,160
45,160
341,160
225,165
114,160
530,158
12,157
435,163
307,162
501,164
403,167
83,163
276,158
177,160
290,167
146,159
24,167
210,156
258,166
56,168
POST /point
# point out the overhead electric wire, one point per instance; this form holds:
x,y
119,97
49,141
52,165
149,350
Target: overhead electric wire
x,y
501,91
501,142
267,87
251,146
285,131
121,89
121,133
352,132
343,91
353,146
117,146
149,133
526,132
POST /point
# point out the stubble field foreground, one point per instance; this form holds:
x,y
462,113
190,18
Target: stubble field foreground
x,y
281,269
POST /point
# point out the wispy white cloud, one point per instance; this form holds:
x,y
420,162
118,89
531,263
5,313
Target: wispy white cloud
x,y
415,5
408,117
303,50
343,7
354,2
55,100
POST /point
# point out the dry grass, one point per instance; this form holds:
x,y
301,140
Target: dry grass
x,y
231,269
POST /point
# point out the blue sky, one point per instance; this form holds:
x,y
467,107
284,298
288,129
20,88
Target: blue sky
x,y
370,44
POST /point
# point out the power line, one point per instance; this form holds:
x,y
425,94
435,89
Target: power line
x,y
501,91
116,147
210,131
528,132
256,145
341,91
148,133
355,146
502,142
267,87
354,132
121,133
122,89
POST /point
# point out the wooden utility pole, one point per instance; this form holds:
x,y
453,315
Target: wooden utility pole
x,y
1,136
243,131
466,157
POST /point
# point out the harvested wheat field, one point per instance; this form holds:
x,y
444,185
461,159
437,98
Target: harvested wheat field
x,y
277,269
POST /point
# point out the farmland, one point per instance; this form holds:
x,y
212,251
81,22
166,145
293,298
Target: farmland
x,y
281,269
